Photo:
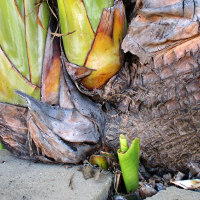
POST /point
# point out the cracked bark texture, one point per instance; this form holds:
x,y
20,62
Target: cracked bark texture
x,y
161,104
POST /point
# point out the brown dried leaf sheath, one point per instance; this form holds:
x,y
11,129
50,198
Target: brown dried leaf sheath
x,y
52,133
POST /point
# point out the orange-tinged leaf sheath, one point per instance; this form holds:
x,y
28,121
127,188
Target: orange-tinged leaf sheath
x,y
51,82
119,22
104,56
51,69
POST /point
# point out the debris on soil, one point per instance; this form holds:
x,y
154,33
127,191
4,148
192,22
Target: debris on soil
x,y
80,168
179,176
198,175
151,182
98,174
105,160
119,197
68,166
154,180
143,172
118,181
70,182
194,169
167,177
147,190
188,184
88,172
160,186
99,160
134,196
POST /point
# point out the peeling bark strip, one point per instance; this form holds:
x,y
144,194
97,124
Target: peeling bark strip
x,y
13,128
158,27
51,67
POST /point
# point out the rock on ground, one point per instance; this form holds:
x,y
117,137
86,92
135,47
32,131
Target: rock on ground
x,y
25,180
174,193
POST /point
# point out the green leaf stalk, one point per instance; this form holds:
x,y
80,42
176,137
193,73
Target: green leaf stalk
x,y
1,146
129,162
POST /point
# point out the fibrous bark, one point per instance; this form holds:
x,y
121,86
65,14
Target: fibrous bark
x,y
165,84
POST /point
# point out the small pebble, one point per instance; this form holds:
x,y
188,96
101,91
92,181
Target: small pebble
x,y
88,172
167,177
179,176
160,186
194,169
198,175
80,168
147,191
68,166
156,178
143,172
152,182
141,178
118,197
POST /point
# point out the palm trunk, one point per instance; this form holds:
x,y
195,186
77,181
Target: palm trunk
x,y
161,103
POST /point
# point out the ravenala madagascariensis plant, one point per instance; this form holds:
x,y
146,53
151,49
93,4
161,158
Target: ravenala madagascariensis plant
x,y
32,76
94,47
